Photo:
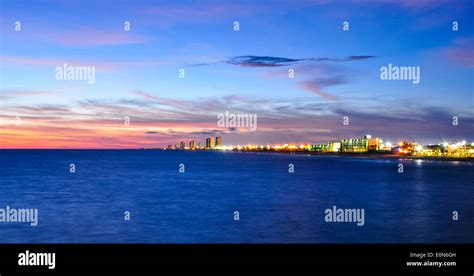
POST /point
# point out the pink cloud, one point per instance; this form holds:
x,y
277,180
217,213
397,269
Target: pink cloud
x,y
93,37
54,62
205,12
418,4
462,55
101,66
313,87
461,51
18,93
157,99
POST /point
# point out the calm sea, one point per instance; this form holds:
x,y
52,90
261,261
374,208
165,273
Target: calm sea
x,y
198,206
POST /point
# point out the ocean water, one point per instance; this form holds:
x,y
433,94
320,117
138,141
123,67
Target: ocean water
x,y
198,206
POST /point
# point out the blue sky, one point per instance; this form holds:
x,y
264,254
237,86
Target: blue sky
x,y
337,73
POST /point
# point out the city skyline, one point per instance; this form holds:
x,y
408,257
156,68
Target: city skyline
x,y
141,98
359,145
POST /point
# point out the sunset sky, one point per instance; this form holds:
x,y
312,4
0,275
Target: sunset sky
x,y
337,73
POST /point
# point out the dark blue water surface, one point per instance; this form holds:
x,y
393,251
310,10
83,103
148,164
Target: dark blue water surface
x,y
198,206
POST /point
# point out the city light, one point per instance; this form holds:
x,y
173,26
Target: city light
x,y
366,144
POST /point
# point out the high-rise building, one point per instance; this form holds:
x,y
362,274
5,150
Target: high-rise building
x,y
213,143
182,145
191,145
210,143
218,141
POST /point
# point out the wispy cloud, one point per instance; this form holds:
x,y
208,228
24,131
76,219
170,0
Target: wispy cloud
x,y
315,87
14,93
269,61
100,65
317,76
261,61
99,123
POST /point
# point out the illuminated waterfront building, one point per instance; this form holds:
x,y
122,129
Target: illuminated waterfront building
x,y
182,145
320,147
354,145
365,144
405,147
431,150
387,146
334,146
373,144
460,149
191,145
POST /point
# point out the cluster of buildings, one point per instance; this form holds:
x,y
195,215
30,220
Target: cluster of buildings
x,y
366,144
460,150
445,149
211,143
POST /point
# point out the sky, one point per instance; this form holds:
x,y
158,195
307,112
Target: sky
x,y
139,99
